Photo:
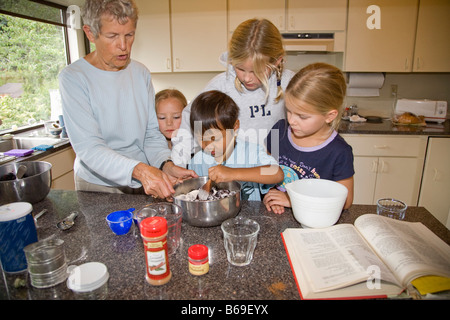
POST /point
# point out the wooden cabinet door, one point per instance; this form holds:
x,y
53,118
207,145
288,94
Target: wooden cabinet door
x,y
435,190
317,15
152,42
432,48
365,179
199,34
241,10
398,178
387,49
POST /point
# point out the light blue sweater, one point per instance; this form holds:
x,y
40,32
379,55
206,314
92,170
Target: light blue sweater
x,y
111,122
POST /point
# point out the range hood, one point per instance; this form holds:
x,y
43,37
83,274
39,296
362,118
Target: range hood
x,y
312,42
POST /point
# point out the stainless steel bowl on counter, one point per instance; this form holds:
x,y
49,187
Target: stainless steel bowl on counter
x,y
208,213
33,187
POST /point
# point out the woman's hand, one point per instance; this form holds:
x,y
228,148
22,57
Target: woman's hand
x,y
155,182
275,200
177,174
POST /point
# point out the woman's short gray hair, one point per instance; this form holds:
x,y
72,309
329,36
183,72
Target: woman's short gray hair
x,y
122,10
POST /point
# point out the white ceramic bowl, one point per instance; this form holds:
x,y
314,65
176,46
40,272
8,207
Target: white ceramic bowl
x,y
317,203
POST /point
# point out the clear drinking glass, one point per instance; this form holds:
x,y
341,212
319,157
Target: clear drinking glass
x,y
391,208
240,237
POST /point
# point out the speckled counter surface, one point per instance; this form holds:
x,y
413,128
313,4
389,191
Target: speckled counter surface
x,y
268,277
386,127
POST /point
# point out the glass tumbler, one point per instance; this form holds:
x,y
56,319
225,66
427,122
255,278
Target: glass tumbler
x,y
240,236
391,208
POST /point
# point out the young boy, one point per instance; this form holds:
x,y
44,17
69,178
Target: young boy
x,y
214,122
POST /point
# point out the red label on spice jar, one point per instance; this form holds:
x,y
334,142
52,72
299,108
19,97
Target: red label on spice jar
x,y
156,259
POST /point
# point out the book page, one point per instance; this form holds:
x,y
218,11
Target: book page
x,y
334,257
408,248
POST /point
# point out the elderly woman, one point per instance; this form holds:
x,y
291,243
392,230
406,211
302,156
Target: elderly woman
x,y
109,110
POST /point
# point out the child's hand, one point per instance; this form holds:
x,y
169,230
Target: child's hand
x,y
276,200
220,174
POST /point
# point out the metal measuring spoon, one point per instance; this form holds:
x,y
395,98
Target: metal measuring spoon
x,y
67,222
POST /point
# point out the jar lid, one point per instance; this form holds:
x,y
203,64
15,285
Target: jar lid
x,y
14,210
87,277
153,227
198,251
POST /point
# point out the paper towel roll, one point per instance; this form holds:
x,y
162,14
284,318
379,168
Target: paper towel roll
x,y
364,84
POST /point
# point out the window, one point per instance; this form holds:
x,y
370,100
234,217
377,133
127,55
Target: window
x,y
33,50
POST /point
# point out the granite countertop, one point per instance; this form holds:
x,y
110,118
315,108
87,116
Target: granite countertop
x,y
267,277
386,127
346,127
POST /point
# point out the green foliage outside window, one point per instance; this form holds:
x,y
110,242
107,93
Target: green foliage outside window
x,y
31,53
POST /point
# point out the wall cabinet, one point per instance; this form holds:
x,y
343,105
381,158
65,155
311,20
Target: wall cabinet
x,y
387,166
410,38
62,169
291,15
181,36
389,48
432,47
319,15
152,41
199,34
435,190
241,10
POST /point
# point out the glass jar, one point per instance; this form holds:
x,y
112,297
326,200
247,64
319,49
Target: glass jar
x,y
198,259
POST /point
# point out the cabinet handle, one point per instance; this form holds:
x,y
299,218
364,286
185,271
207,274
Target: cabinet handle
x,y
406,64
177,63
292,22
168,63
418,63
383,167
374,166
436,175
384,146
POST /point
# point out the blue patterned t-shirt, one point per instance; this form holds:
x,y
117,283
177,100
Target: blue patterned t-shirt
x,y
331,160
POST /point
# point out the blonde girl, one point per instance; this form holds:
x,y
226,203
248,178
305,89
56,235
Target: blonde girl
x,y
255,79
169,105
308,145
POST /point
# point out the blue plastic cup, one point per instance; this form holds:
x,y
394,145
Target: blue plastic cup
x,y
120,221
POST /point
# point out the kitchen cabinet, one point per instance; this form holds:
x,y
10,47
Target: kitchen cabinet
x,y
435,190
387,49
152,41
241,10
199,34
318,15
387,166
62,168
181,36
432,47
291,15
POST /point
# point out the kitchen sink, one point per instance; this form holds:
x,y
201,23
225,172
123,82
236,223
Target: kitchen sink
x,y
26,142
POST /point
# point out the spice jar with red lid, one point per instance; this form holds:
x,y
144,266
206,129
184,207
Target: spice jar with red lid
x,y
198,259
154,235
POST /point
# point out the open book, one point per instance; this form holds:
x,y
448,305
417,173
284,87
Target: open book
x,y
377,257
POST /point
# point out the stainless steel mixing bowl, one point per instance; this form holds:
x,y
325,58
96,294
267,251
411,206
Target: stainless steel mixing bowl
x,y
211,212
32,188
